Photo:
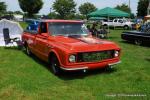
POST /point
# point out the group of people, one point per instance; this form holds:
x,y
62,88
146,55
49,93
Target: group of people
x,y
98,31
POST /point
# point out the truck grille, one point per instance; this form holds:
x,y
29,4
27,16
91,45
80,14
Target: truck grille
x,y
95,56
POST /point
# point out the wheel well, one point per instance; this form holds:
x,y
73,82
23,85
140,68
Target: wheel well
x,y
51,54
126,26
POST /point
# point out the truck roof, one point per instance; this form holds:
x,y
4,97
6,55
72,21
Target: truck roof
x,y
67,21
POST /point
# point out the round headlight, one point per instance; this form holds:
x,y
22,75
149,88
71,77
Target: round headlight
x,y
116,53
72,58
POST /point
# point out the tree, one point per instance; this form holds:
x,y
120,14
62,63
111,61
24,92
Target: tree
x,y
64,8
87,8
53,15
124,8
80,16
142,7
2,8
31,7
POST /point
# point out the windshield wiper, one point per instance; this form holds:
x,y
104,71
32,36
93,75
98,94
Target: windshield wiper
x,y
60,35
77,34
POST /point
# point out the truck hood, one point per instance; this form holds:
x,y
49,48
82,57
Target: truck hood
x,y
82,43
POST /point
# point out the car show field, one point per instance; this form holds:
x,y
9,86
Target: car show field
x,y
24,77
75,50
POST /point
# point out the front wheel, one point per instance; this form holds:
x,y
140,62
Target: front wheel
x,y
138,42
55,66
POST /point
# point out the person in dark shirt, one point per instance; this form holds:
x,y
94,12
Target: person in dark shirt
x,y
102,32
89,28
93,29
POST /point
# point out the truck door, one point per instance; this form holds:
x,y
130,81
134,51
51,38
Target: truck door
x,y
31,35
42,41
120,22
115,23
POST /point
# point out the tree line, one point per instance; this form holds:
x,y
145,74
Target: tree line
x,y
66,9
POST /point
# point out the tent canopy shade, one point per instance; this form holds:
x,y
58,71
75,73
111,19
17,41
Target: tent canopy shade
x,y
108,12
15,30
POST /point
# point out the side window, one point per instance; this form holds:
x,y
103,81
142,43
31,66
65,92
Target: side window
x,y
120,21
43,27
125,21
115,20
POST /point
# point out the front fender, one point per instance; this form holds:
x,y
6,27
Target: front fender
x,y
60,55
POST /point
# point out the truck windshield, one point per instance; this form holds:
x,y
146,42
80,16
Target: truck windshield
x,y
67,29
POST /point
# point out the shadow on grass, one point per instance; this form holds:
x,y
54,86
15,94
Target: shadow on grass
x,y
13,48
147,59
81,75
111,38
132,43
66,75
126,42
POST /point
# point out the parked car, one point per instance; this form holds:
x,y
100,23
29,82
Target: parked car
x,y
123,23
136,37
8,17
67,45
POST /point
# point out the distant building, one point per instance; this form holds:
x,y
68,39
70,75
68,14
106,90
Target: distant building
x,y
15,17
8,17
18,17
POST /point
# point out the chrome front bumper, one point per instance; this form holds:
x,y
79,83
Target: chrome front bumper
x,y
69,69
86,67
112,64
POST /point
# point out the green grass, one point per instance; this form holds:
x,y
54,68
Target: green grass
x,y
28,78
23,24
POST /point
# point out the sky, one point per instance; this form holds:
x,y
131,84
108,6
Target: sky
x,y
12,5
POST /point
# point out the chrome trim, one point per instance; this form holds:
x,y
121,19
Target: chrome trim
x,y
114,63
69,69
84,68
135,35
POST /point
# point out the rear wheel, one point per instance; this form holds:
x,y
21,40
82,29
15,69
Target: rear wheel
x,y
28,51
55,65
126,27
105,26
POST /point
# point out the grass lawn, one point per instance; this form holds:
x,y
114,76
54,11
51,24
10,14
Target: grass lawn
x,y
23,24
28,78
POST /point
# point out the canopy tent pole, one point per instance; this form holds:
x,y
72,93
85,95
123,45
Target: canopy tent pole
x,y
108,24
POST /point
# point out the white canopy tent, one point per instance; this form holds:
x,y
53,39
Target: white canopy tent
x,y
15,30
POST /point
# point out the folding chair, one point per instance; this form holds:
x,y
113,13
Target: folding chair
x,y
7,38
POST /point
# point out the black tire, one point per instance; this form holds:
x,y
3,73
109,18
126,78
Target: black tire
x,y
28,51
105,26
138,42
55,65
126,27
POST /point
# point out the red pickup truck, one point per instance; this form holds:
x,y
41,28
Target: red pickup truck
x,y
68,45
